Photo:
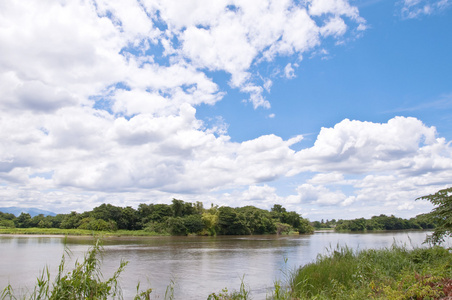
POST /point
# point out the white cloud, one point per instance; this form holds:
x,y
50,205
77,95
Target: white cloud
x,y
327,178
416,8
233,36
98,103
319,195
372,168
289,71
80,49
259,193
356,147
59,46
335,7
334,26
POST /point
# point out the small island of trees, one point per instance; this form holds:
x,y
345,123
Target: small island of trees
x,y
185,218
177,218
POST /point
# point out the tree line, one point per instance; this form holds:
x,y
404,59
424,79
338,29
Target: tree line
x,y
177,218
381,222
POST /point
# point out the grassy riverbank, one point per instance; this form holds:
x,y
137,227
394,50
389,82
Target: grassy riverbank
x,y
391,273
77,232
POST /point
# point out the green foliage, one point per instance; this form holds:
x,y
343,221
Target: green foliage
x,y
324,224
129,219
155,227
304,226
71,220
7,224
193,223
441,214
7,220
178,218
242,294
258,221
391,273
23,220
294,220
383,222
178,208
160,212
282,228
230,222
210,222
98,224
176,226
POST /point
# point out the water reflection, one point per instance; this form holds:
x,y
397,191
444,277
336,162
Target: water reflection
x,y
198,265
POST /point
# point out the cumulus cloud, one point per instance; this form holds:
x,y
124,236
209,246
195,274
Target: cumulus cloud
x,y
370,167
321,195
83,47
99,99
356,147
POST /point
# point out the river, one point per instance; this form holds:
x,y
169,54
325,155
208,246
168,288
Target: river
x,y
198,266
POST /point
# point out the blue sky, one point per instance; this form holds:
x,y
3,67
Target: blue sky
x,y
332,108
398,67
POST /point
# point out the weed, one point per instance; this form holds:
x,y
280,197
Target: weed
x,y
242,294
83,282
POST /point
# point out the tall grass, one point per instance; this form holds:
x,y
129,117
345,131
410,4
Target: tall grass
x,y
391,273
84,281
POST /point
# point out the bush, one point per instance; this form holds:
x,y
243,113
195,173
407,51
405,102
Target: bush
x,y
97,225
7,224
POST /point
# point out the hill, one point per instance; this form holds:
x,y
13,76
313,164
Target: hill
x,y
30,210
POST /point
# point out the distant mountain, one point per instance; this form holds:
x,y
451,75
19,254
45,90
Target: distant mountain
x,y
32,211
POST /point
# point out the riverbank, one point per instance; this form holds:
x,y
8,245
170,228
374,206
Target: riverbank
x,y
390,273
138,233
77,232
394,273
84,232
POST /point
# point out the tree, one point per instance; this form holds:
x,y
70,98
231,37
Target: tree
x,y
210,222
442,214
39,221
178,208
129,219
71,221
108,212
193,223
176,226
23,221
230,222
160,212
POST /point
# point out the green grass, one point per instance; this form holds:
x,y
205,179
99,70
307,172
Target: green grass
x,y
391,273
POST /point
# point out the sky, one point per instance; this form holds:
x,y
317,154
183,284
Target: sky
x,y
331,108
